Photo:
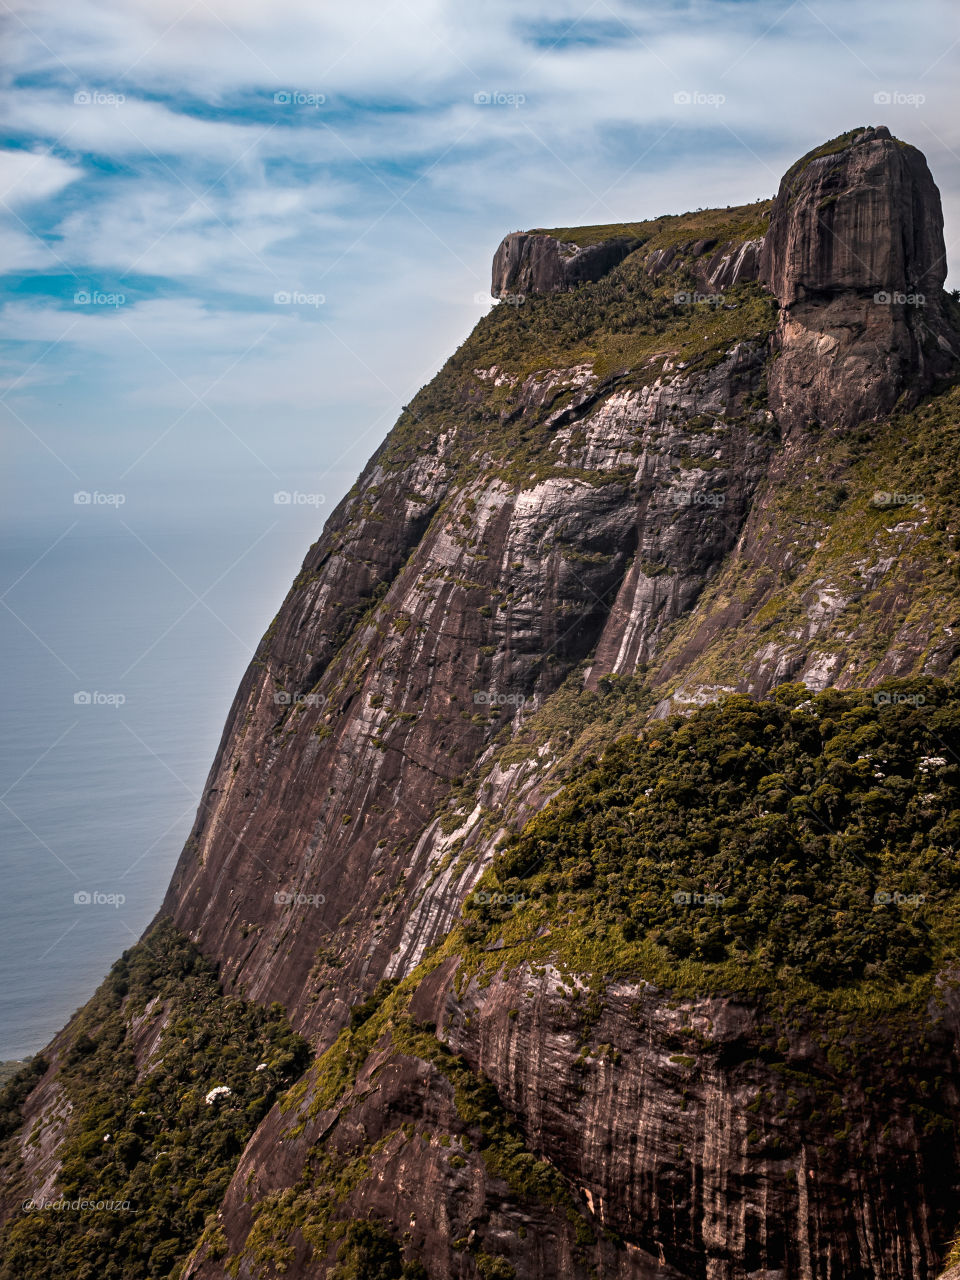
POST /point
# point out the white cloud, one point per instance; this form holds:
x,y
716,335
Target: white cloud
x,y
26,176
390,197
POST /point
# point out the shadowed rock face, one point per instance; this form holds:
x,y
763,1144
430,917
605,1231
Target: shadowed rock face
x,y
528,263
856,258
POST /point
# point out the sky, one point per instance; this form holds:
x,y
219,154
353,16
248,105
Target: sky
x,y
237,235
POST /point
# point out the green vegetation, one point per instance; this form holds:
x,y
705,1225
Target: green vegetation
x,y
141,1133
625,326
369,1252
736,222
824,527
788,815
311,1209
8,1069
501,1143
18,1083
833,147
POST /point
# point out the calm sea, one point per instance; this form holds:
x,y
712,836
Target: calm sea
x,y
115,685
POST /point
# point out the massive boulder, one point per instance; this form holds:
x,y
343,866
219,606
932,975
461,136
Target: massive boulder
x,y
855,256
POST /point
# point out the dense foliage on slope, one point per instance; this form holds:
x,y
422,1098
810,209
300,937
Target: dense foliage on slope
x,y
142,1134
755,843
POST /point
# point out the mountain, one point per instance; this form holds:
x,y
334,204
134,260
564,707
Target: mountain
x,y
574,890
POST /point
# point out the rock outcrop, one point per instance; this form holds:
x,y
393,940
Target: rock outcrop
x,y
536,263
856,258
689,1133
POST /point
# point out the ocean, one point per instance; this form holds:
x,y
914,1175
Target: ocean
x,y
116,683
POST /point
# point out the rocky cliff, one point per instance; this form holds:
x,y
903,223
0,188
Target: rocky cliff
x,y
698,455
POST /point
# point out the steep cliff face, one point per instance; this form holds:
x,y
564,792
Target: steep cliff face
x,y
528,263
688,460
449,596
856,258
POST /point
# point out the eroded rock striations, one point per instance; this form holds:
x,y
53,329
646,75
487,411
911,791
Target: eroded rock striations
x,y
856,258
595,513
532,263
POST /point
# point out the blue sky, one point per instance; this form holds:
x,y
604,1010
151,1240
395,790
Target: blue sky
x,y
182,162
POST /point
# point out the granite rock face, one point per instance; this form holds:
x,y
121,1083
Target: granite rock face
x,y
856,258
531,263
690,1136
340,750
